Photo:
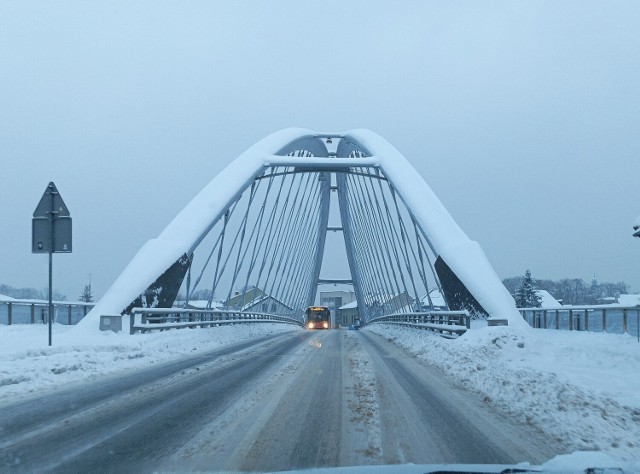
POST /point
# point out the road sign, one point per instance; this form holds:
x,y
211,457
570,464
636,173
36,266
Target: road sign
x,y
51,224
45,206
51,233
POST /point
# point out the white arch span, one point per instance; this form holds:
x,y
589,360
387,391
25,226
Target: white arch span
x,y
463,256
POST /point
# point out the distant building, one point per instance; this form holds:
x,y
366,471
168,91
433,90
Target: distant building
x,y
241,298
256,300
607,300
267,304
629,300
348,314
334,300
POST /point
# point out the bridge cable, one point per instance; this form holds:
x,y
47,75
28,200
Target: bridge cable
x,y
394,242
403,233
282,237
376,245
383,241
271,220
435,277
258,228
422,272
362,253
303,263
254,188
290,250
271,243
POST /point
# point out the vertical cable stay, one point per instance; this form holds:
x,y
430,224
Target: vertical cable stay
x,y
265,240
277,223
433,271
301,266
366,257
257,228
421,267
291,223
215,245
390,243
373,211
269,256
300,233
243,226
281,235
215,274
404,243
373,263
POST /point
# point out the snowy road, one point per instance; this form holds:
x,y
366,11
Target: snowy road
x,y
293,400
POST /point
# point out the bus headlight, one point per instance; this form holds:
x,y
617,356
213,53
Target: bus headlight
x,y
310,325
325,325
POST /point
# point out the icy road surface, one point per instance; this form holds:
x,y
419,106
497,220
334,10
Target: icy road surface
x,y
286,400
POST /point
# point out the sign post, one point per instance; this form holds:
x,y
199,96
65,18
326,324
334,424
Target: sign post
x,y
51,233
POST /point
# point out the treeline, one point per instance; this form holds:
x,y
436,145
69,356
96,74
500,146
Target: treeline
x,y
29,293
571,291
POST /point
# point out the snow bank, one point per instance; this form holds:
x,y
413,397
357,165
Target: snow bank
x,y
581,389
28,364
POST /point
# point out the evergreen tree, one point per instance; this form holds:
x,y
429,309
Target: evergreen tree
x,y
526,295
86,295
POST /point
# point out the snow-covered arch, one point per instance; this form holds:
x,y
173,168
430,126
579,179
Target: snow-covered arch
x,y
462,266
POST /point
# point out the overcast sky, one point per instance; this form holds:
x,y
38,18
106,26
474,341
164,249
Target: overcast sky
x,y
524,117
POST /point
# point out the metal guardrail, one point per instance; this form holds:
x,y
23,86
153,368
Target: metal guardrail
x,y
597,318
149,319
36,312
446,323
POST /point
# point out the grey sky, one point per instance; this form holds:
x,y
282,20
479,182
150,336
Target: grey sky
x,y
522,116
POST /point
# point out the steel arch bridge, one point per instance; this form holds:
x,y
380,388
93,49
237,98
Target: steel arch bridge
x,y
254,237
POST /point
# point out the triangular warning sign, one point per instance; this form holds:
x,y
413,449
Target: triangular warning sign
x,y
45,207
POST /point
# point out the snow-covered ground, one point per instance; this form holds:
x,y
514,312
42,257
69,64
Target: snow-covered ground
x,y
581,389
29,365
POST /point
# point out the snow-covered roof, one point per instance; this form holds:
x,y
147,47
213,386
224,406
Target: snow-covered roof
x,y
260,299
548,301
607,299
202,304
629,300
353,304
6,298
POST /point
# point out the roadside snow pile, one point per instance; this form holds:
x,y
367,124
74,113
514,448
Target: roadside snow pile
x,y
28,364
581,389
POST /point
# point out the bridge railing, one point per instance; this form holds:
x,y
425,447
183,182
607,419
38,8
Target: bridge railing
x,y
149,319
35,311
597,318
446,323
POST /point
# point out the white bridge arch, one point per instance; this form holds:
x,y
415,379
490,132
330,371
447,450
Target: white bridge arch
x,y
464,275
